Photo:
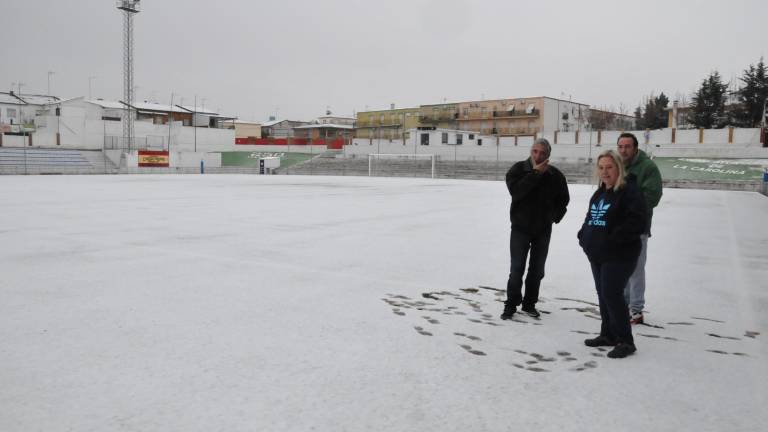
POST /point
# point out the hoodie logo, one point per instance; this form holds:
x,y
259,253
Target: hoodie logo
x,y
597,211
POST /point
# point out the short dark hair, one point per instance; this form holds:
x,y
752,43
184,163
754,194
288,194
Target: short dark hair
x,y
628,135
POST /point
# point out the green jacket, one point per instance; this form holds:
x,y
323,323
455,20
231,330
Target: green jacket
x,y
649,180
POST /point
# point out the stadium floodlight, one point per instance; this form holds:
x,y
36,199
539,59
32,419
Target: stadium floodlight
x,y
401,165
129,8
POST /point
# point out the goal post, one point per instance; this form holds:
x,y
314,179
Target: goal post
x,y
394,165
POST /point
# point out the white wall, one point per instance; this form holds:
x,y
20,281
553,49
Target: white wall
x,y
746,136
687,136
716,136
15,141
192,160
659,145
310,149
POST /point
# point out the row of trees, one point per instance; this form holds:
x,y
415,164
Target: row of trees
x,y
713,105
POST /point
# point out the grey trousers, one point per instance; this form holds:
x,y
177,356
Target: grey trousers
x,y
634,291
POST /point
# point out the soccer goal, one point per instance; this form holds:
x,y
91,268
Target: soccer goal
x,y
401,165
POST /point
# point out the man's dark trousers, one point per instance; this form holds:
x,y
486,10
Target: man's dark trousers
x,y
520,243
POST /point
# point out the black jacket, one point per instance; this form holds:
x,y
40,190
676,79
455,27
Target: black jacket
x,y
614,223
538,199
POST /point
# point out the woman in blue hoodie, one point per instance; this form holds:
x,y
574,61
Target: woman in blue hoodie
x,y
610,237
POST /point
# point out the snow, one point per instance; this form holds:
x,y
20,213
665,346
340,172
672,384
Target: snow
x,y
289,303
106,104
325,125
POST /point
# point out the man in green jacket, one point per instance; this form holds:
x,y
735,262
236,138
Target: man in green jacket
x,y
648,176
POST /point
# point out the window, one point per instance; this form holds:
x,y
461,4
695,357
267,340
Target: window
x,y
471,136
459,138
425,139
479,141
11,112
445,138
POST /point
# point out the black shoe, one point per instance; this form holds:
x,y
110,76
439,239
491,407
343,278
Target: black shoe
x,y
622,350
509,311
531,311
599,341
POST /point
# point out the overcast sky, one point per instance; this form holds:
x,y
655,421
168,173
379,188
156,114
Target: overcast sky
x,y
293,59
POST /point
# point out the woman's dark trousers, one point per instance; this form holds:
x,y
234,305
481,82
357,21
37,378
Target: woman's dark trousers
x,y
610,279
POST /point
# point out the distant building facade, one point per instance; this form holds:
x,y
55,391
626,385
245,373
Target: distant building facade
x,y
500,117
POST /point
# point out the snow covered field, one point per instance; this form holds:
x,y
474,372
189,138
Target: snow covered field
x,y
289,303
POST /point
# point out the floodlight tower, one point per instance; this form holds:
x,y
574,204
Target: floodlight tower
x,y
129,8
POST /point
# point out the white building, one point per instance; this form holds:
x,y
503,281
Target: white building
x,y
20,109
96,124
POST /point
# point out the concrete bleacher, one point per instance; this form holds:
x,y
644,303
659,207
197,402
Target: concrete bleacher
x,y
53,161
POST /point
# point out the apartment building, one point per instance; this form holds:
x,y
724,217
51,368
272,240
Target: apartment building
x,y
387,124
522,116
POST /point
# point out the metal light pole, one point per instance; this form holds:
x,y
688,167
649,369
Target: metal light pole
x,y
49,82
90,79
170,122
129,8
194,122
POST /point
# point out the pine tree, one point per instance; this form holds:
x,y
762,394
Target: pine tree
x,y
708,103
753,95
661,118
639,120
655,115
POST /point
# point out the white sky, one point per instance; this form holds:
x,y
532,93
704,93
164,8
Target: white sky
x,y
288,303
295,58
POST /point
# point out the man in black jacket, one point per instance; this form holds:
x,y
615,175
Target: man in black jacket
x,y
539,198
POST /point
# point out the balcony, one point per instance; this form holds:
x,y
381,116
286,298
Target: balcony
x,y
499,114
439,119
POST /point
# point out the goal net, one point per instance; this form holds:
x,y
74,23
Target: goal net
x,y
401,165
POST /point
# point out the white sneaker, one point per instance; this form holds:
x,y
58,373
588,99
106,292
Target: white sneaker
x,y
635,317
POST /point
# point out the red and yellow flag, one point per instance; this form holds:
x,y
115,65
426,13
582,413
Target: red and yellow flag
x,y
152,158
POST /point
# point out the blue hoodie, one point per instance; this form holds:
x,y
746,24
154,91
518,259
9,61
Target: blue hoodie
x,y
613,224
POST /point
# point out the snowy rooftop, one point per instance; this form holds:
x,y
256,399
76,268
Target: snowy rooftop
x,y
290,303
198,110
152,106
39,99
7,98
106,104
325,125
